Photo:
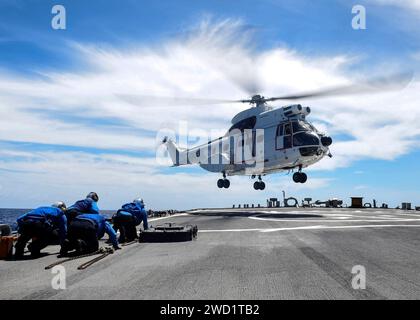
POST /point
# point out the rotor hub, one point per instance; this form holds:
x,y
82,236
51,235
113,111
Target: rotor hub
x,y
257,100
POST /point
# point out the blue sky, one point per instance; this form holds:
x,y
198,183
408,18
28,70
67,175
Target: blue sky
x,y
311,27
63,133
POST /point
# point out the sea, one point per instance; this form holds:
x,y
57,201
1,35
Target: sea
x,y
9,216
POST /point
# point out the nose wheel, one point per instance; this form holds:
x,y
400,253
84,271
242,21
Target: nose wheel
x,y
259,185
300,177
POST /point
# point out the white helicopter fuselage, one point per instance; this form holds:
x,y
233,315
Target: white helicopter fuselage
x,y
278,139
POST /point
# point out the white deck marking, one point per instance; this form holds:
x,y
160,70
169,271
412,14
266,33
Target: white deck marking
x,y
408,214
313,228
170,216
332,220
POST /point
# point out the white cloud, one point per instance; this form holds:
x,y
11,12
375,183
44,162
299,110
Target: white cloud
x,y
405,4
360,187
205,64
44,177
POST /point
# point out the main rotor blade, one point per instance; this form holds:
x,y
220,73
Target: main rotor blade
x,y
396,82
155,101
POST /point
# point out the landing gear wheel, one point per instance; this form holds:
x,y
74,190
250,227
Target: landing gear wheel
x,y
220,183
296,177
300,177
223,183
259,185
226,183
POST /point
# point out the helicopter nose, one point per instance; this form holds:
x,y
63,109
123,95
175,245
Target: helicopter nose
x,y
326,141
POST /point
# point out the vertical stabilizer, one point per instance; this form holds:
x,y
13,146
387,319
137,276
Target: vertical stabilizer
x,y
176,153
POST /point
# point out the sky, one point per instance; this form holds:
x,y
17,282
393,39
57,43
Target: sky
x,y
66,128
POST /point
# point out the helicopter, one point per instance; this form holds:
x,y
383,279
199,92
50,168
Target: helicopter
x,y
289,142
264,139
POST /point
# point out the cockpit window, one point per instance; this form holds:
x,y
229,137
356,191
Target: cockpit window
x,y
299,126
305,139
311,126
248,123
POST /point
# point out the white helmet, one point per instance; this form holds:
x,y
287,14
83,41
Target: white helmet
x,y
94,196
139,201
60,205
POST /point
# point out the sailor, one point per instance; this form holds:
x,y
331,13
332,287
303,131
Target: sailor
x,y
87,205
128,217
85,230
44,225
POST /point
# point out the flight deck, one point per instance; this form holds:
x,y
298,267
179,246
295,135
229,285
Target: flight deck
x,y
264,253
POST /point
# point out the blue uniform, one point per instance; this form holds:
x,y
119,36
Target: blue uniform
x,y
102,226
85,206
54,217
137,211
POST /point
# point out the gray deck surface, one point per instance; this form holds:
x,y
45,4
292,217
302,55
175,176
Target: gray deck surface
x,y
262,253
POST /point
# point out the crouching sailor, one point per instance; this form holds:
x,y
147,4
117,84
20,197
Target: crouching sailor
x,y
44,225
84,231
128,217
87,205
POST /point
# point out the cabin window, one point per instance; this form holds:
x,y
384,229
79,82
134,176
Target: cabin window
x,y
287,142
254,143
280,130
287,129
284,136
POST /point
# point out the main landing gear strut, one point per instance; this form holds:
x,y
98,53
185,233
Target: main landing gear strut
x,y
223,183
259,185
300,177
